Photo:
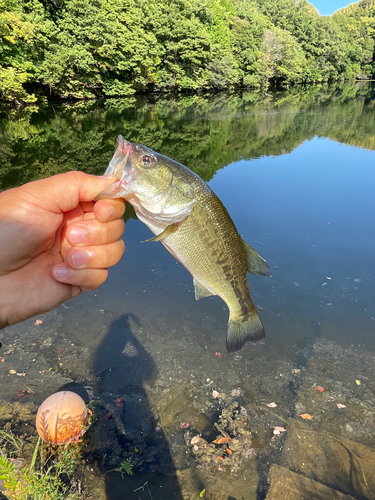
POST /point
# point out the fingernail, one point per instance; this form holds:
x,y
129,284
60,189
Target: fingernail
x,y
78,235
80,258
60,271
110,212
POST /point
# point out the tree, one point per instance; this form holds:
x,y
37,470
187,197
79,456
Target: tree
x,y
15,71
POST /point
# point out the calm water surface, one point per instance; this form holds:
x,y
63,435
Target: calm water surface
x,y
297,175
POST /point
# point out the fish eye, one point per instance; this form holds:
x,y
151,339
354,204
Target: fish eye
x,y
147,161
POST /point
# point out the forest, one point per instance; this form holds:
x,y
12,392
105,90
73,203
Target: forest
x,y
84,49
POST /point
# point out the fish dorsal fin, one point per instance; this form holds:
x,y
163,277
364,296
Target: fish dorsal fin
x,y
255,263
172,228
200,291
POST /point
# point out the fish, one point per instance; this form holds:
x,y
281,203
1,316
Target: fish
x,y
187,217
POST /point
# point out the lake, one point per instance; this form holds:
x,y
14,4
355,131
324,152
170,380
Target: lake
x,y
296,172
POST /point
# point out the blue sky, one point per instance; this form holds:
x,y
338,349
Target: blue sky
x,y
328,7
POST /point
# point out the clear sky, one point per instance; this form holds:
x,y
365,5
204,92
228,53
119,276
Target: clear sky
x,y
328,7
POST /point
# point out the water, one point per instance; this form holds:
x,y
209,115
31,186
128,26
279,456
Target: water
x,y
296,173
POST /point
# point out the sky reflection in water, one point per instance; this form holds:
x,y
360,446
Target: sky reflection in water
x,y
310,214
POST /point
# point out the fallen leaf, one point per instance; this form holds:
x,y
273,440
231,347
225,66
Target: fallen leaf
x,y
229,451
223,440
358,382
320,389
272,405
195,440
38,322
280,429
12,372
220,458
202,492
306,416
339,405
296,370
218,354
248,453
215,394
185,425
117,400
2,360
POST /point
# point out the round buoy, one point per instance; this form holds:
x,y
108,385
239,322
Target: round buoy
x,y
62,418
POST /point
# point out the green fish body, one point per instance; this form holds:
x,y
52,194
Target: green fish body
x,y
193,224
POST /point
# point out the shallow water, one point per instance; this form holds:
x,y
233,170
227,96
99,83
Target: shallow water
x,y
296,173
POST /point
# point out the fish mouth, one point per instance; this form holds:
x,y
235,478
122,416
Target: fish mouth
x,y
120,165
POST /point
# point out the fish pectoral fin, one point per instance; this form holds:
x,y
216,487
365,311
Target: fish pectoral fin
x,y
200,291
255,263
172,228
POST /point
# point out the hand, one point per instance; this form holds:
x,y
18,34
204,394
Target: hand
x,y
55,242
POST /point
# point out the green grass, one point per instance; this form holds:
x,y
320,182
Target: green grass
x,y
54,480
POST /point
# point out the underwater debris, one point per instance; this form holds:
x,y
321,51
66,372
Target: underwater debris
x,y
231,446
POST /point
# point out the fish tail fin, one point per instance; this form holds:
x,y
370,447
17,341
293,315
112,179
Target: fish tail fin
x,y
248,328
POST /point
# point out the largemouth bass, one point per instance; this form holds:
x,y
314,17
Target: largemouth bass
x,y
194,226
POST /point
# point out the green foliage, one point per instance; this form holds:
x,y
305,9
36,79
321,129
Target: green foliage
x,y
90,48
282,58
15,35
126,466
51,482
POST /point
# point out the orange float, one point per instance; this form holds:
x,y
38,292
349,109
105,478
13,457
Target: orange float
x,y
62,418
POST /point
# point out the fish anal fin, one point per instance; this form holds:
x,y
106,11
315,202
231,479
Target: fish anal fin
x,y
200,291
243,330
172,228
255,263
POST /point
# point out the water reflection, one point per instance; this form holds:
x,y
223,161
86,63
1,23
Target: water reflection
x,y
204,133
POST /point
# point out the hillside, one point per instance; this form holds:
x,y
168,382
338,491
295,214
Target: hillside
x,y
94,48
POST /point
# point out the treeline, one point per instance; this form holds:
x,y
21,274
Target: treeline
x,y
93,48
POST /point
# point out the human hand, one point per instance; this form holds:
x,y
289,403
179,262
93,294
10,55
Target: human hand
x,y
55,242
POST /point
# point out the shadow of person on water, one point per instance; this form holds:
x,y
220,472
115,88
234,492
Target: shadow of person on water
x,y
122,366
